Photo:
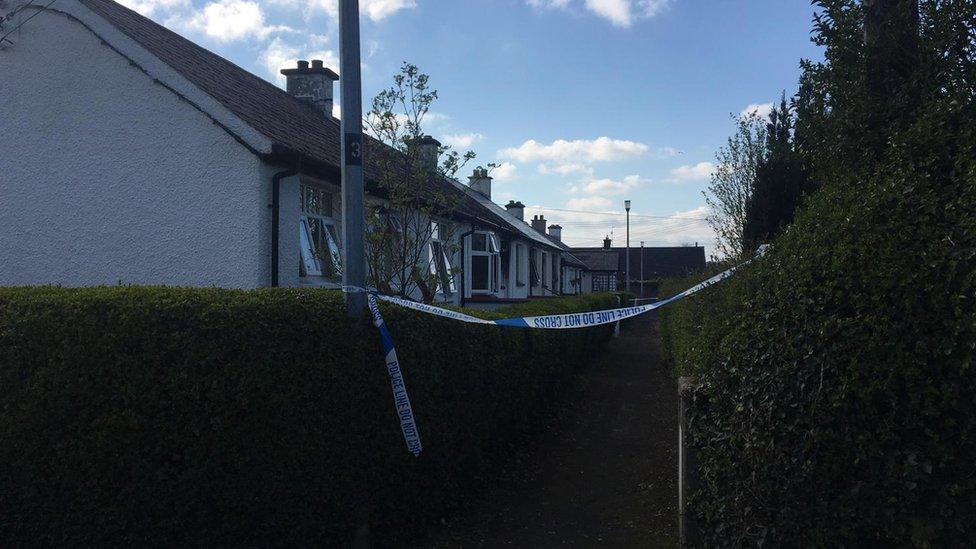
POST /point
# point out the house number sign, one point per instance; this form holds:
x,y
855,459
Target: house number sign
x,y
354,149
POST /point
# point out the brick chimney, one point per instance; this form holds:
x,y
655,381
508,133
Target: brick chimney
x,y
606,243
539,223
556,232
312,84
517,209
480,182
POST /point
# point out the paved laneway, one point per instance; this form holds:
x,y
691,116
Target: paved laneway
x,y
606,474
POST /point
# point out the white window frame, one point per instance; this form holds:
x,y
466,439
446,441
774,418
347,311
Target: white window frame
x,y
519,265
311,263
492,251
441,261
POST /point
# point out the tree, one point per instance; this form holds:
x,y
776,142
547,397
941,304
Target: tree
x,y
781,181
731,185
410,233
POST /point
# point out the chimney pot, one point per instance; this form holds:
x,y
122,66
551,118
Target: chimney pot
x,y
313,84
480,182
556,232
516,209
426,150
606,243
539,223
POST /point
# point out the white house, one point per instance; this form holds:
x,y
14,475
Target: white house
x,y
132,155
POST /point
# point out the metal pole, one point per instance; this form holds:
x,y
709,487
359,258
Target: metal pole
x,y
627,207
642,269
354,270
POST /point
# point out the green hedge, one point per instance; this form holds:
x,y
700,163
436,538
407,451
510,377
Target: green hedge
x,y
161,416
836,404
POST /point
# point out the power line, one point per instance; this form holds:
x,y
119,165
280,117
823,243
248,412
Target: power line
x,y
548,209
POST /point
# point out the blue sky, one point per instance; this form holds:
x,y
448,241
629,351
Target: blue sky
x,y
585,103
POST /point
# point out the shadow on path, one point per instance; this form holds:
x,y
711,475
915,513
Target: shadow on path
x,y
605,474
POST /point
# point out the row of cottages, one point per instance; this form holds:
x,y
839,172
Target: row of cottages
x,y
134,156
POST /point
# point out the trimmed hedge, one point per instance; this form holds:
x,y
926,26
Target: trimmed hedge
x,y
836,403
163,416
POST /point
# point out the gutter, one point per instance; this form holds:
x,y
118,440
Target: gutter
x,y
275,220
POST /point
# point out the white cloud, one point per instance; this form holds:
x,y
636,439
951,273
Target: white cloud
x,y
566,169
613,187
616,11
589,203
621,13
376,10
563,152
667,152
148,7
698,172
462,140
759,109
505,172
229,20
280,55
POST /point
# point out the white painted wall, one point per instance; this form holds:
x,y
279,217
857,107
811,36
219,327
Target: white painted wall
x,y
106,177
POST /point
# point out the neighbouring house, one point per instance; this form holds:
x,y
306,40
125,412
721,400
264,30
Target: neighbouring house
x,y
658,263
132,155
601,267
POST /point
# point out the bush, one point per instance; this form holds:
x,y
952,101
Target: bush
x,y
163,416
837,374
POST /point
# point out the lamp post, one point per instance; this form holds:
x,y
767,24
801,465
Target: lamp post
x,y
642,269
627,274
353,222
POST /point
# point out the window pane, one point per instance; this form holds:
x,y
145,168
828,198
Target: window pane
x,y
332,252
479,272
316,201
493,243
311,266
449,282
434,249
519,277
534,269
478,242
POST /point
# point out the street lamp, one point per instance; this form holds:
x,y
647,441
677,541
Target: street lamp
x,y
627,207
642,269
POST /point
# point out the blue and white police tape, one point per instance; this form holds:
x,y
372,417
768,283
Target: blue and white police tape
x,y
573,320
564,321
400,398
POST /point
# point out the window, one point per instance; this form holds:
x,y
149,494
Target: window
x,y
555,271
440,262
519,275
605,282
545,269
534,267
318,236
484,262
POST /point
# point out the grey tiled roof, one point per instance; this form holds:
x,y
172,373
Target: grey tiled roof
x,y
292,125
286,120
599,260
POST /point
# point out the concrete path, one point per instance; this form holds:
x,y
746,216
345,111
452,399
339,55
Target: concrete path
x,y
606,474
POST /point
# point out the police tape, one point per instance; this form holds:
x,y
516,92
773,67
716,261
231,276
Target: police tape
x,y
564,321
400,398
